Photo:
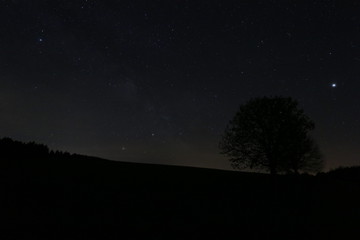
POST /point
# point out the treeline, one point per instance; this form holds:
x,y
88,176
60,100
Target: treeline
x,y
21,162
15,152
10,148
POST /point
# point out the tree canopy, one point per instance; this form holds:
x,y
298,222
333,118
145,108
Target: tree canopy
x,y
271,133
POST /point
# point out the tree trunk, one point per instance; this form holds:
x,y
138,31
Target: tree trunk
x,y
272,162
273,170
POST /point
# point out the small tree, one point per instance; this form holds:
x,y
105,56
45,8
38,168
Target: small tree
x,y
271,134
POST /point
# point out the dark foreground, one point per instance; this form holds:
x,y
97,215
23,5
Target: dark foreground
x,y
76,197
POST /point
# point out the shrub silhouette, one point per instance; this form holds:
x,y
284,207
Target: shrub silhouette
x,y
271,134
351,174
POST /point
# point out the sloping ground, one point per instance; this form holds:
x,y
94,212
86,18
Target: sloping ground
x,y
102,199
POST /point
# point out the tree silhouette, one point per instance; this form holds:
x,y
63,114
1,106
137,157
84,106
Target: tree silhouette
x,y
271,134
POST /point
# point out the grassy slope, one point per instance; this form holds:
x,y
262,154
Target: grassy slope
x,y
154,199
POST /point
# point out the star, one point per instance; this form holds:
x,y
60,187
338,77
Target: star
x,y
333,85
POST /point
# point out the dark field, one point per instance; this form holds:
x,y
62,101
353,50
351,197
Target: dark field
x,y
64,196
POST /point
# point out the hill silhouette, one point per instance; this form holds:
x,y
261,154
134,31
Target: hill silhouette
x,y
105,199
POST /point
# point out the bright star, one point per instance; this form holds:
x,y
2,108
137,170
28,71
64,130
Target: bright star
x,y
333,85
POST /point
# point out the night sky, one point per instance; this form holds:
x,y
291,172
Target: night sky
x,y
157,81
